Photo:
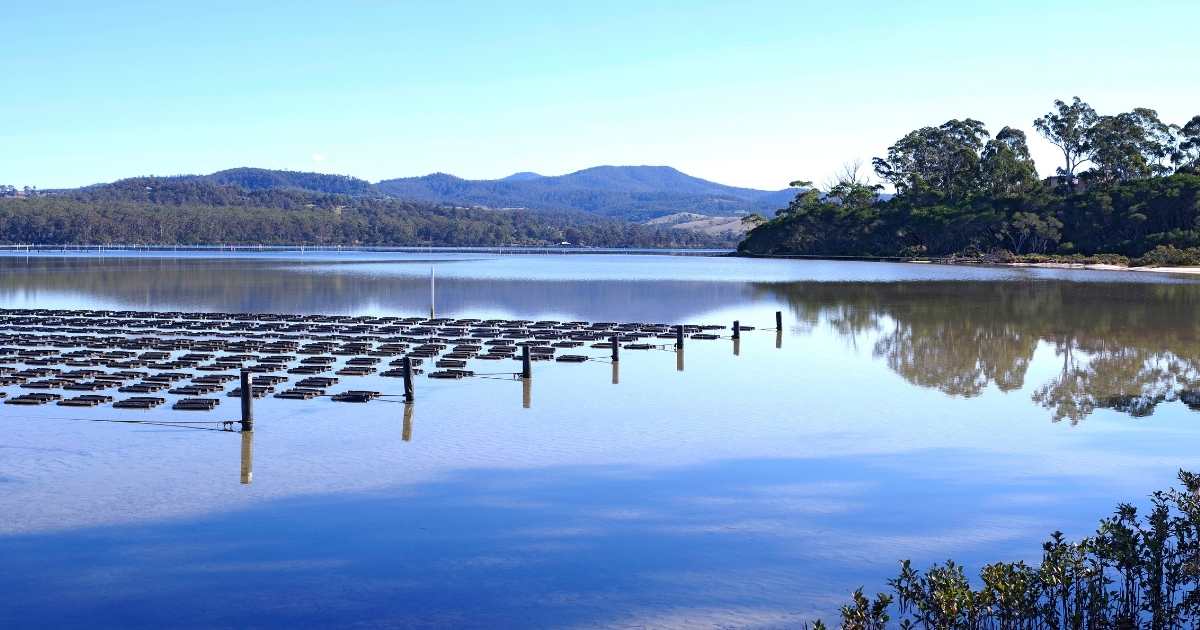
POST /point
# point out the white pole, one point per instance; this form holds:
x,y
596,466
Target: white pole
x,y
432,294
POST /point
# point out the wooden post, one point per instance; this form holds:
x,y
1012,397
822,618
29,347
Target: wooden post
x,y
679,337
737,329
616,349
526,364
778,320
408,380
247,396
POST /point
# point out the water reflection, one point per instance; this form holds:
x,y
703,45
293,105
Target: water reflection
x,y
408,422
294,287
1125,347
247,457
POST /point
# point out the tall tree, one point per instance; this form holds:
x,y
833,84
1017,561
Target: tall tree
x,y
942,160
1006,168
850,189
1132,145
1187,152
1157,140
1067,128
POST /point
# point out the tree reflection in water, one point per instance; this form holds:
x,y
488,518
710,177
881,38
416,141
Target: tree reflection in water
x,y
1126,347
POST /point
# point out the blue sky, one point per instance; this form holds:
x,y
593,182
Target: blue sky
x,y
748,93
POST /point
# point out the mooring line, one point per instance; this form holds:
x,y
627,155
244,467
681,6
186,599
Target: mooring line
x,y
181,424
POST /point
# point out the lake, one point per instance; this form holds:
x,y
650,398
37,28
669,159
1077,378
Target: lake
x,y
905,411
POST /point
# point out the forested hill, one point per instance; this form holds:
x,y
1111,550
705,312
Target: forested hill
x,y
1128,185
631,193
627,192
196,210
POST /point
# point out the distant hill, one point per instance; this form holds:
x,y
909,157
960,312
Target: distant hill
x,y
265,179
634,193
253,207
523,176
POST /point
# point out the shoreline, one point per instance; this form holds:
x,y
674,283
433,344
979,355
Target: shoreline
x,y
976,261
1099,267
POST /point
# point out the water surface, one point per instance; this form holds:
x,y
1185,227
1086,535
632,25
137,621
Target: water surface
x,y
907,411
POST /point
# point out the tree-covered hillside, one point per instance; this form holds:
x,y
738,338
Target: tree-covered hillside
x,y
193,211
961,191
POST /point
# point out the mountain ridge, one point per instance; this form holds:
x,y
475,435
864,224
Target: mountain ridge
x,y
631,193
634,193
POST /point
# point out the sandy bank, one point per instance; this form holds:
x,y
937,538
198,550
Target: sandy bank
x,y
1053,265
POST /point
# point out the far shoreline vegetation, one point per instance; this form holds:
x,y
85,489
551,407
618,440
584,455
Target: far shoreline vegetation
x,y
166,211
963,195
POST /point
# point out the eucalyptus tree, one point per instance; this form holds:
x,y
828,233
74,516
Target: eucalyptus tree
x,y
1131,145
1187,152
1006,168
1067,128
942,161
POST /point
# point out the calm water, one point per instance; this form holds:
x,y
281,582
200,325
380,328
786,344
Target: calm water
x,y
910,411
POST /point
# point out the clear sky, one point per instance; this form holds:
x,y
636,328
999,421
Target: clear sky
x,y
748,93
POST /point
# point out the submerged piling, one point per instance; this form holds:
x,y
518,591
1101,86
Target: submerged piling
x,y
679,360
247,397
407,431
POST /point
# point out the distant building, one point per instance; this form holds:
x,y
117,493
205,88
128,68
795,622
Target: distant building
x,y
1056,181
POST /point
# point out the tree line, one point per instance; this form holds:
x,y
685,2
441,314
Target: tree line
x,y
174,211
1128,184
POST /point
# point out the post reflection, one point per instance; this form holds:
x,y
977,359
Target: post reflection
x,y
247,457
778,339
616,372
526,392
679,359
737,347
408,422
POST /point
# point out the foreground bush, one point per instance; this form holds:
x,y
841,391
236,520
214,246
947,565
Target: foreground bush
x,y
1135,572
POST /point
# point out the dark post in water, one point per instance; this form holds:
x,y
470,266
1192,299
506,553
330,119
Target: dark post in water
x,y
737,329
408,380
247,396
526,366
778,320
616,349
679,337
